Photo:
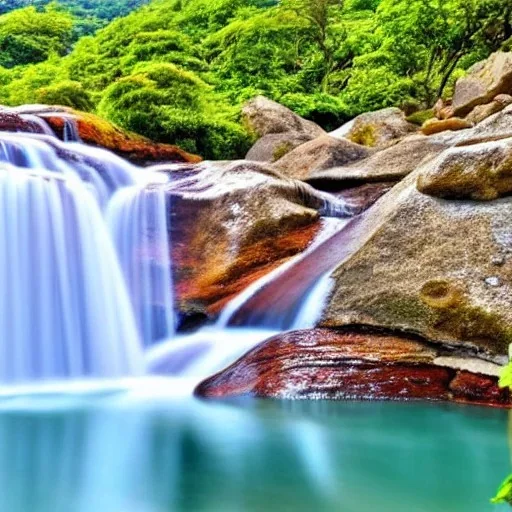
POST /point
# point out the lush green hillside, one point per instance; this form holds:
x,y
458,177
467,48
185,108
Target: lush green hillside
x,y
178,70
104,10
89,15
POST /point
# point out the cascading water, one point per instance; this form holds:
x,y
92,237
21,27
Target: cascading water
x,y
211,349
103,172
65,311
70,132
138,222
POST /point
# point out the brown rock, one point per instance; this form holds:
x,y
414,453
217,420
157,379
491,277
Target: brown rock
x,y
480,171
263,117
483,82
319,154
481,112
433,126
12,122
234,223
325,364
96,131
425,266
274,146
379,129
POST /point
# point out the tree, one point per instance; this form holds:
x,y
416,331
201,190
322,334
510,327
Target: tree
x,y
324,20
29,36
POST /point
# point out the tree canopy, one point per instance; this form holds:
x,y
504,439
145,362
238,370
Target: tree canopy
x,y
329,60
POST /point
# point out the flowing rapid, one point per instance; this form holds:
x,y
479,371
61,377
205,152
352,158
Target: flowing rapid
x,y
86,267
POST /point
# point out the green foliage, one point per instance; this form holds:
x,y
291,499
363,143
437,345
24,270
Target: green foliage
x,y
178,71
421,116
324,109
29,36
166,104
67,93
504,494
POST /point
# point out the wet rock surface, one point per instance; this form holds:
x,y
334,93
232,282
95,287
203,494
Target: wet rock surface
x,y
351,365
233,224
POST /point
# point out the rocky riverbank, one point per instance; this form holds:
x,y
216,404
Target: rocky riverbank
x,y
420,306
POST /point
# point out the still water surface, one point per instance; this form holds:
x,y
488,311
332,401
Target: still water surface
x,y
137,451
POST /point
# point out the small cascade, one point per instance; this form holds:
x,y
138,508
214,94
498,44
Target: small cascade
x,y
213,348
70,132
41,123
65,311
138,221
297,303
310,310
203,353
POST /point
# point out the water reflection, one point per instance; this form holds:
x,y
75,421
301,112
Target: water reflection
x,y
114,454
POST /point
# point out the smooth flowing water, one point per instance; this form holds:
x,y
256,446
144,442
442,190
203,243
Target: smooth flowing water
x,y
147,450
138,221
64,312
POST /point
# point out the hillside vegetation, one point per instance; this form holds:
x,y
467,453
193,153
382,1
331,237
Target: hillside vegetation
x,y
178,70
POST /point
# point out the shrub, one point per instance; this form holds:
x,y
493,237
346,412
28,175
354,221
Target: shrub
x,y
67,93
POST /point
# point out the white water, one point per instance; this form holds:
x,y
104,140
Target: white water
x,y
64,310
43,125
311,310
213,348
330,227
138,222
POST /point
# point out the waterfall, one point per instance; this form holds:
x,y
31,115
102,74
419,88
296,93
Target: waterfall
x,y
138,222
44,127
79,300
86,267
65,310
70,132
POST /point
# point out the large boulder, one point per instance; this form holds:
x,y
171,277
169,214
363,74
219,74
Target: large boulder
x,y
326,364
233,223
263,117
439,269
379,129
274,146
480,171
483,82
319,154
391,164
